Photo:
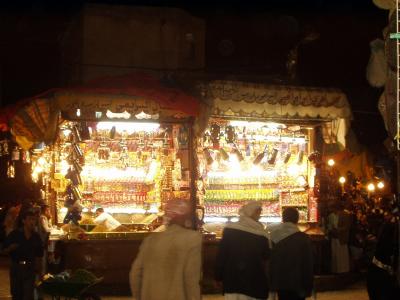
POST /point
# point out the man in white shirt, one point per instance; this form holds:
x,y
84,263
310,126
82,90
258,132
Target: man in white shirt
x,y
106,220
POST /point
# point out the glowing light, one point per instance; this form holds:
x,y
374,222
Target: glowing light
x,y
78,112
41,161
214,165
123,115
331,162
215,220
294,170
380,185
234,163
270,219
66,132
301,180
234,219
371,187
109,174
342,179
64,166
130,127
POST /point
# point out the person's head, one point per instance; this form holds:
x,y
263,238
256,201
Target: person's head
x,y
290,214
99,211
45,211
252,210
177,212
29,220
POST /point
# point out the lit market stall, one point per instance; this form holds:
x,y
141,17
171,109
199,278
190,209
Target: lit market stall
x,y
257,145
122,144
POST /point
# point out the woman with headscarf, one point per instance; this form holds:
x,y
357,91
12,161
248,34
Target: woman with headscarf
x,y
168,265
242,256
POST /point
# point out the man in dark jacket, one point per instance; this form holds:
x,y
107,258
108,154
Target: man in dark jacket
x,y
25,249
291,264
242,256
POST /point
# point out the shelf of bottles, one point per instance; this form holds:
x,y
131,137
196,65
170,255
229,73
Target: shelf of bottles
x,y
254,161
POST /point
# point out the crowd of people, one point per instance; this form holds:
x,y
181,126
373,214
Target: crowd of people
x,y
251,261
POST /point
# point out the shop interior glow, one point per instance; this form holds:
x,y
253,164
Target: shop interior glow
x,y
235,174
129,127
109,174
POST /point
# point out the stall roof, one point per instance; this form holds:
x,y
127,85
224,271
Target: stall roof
x,y
241,99
36,121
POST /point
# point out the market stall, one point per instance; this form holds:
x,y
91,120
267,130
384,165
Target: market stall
x,y
121,144
116,143
257,146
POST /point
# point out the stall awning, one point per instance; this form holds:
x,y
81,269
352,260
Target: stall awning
x,y
251,100
36,121
231,98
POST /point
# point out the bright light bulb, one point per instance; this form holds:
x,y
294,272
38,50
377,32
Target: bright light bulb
x,y
331,162
342,180
380,185
371,187
42,161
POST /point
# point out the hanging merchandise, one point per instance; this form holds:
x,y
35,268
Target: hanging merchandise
x,y
76,135
215,135
223,154
10,170
84,131
5,148
300,156
15,155
230,134
272,157
26,157
183,137
286,157
208,156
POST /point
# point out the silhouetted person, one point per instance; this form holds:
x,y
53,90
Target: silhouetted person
x,y
25,249
242,256
291,263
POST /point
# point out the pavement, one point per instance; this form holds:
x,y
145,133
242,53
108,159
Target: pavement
x,y
355,291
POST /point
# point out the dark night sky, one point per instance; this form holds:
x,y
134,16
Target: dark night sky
x,y
262,33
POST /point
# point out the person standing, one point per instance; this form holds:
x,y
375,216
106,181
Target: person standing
x,y
242,257
168,265
382,283
291,263
339,222
45,227
25,249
